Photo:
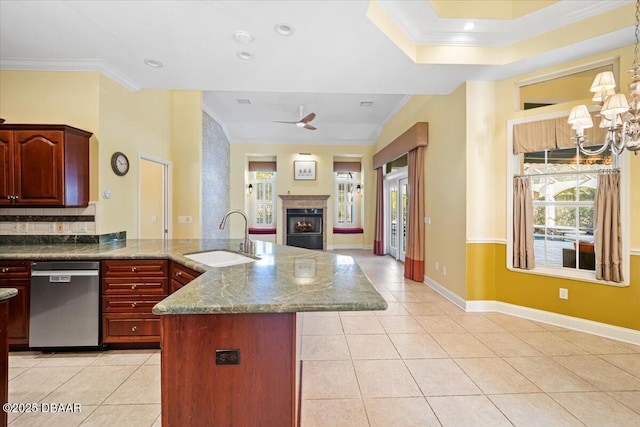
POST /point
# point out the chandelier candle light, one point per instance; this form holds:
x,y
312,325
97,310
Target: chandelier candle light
x,y
620,117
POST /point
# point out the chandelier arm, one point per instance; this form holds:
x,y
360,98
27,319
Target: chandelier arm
x,y
588,152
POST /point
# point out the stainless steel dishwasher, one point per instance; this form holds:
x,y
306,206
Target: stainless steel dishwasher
x,y
65,304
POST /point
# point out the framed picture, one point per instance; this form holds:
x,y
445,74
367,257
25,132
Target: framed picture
x,y
304,170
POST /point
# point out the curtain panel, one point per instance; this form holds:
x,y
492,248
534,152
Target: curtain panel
x,y
608,228
414,255
523,253
378,233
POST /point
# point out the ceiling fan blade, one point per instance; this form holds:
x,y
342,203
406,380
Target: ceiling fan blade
x,y
308,118
306,126
280,121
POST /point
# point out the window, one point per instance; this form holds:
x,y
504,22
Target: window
x,y
263,197
346,215
563,183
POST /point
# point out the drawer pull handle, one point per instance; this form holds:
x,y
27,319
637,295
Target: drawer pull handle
x,y
134,286
133,304
133,269
135,328
5,270
178,273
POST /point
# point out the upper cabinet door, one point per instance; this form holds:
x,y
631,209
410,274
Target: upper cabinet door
x,y
39,167
6,167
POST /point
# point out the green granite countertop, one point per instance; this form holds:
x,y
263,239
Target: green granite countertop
x,y
284,279
6,293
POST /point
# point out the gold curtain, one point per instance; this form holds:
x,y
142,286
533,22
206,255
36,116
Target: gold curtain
x,y
608,228
523,253
414,255
551,134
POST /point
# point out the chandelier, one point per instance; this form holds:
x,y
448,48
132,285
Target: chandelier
x,y
620,117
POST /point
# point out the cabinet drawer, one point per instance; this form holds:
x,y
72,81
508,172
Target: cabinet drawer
x,y
141,286
14,270
135,268
131,327
182,274
125,304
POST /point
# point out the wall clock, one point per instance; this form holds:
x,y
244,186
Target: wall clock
x,y
119,163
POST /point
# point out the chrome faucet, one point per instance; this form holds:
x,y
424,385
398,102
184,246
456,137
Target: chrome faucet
x,y
247,245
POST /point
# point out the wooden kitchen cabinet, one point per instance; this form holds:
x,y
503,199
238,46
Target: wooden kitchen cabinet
x,y
17,274
179,275
44,165
130,289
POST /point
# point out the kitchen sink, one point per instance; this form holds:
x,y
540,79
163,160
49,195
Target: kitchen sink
x,y
220,258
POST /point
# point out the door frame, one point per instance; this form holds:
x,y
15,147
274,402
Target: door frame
x,y
167,192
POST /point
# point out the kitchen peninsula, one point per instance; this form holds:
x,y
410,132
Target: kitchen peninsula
x,y
230,338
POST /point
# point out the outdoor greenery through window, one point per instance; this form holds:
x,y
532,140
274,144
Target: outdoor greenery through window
x,y
346,208
264,190
564,186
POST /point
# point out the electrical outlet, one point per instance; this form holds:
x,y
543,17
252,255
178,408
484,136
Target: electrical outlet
x,y
437,266
22,227
59,227
52,227
564,293
185,219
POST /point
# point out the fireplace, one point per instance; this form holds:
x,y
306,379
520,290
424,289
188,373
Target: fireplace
x,y
304,228
304,221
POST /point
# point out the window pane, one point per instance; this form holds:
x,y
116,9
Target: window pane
x,y
586,218
341,196
269,214
564,216
349,214
539,215
341,214
538,186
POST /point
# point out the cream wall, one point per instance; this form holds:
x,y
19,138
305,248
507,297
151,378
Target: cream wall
x,y
445,181
285,155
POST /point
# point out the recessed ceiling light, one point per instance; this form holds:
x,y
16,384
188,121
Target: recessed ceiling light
x,y
153,63
246,56
283,29
469,26
243,101
366,103
243,37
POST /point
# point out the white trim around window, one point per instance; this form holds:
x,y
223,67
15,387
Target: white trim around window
x,y
513,168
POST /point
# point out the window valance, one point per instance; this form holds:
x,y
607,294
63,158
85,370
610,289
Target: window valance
x,y
416,136
551,134
347,167
262,166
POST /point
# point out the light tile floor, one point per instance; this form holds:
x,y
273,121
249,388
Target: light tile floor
x,y
422,362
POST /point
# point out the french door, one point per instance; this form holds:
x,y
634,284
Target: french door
x,y
397,189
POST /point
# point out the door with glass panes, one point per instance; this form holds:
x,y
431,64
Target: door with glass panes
x,y
396,218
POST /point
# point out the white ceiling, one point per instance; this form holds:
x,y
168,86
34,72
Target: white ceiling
x,y
336,57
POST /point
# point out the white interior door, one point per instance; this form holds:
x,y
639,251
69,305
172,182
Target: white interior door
x,y
403,196
153,207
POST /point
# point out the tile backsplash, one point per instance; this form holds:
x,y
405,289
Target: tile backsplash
x,y
48,221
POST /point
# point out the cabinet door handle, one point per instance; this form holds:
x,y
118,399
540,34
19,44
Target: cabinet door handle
x,y
135,328
5,269
133,304
134,286
133,269
178,273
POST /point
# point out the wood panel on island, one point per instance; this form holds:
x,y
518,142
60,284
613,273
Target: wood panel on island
x,y
17,274
130,289
43,165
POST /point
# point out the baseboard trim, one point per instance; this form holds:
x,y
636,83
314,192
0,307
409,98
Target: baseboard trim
x,y
617,333
345,246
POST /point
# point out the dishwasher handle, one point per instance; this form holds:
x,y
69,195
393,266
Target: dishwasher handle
x,y
69,273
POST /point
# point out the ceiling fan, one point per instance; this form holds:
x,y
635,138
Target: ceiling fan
x,y
303,122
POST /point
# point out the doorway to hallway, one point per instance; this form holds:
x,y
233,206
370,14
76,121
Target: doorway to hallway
x,y
154,195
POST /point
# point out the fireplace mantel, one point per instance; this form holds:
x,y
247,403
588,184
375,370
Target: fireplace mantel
x,y
301,201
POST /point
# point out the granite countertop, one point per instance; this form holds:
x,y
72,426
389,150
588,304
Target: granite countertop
x,y
6,293
284,279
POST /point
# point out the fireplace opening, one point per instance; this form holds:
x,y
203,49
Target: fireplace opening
x,y
304,228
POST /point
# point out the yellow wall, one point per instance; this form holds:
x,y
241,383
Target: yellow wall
x,y
186,153
485,108
445,181
160,123
285,155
